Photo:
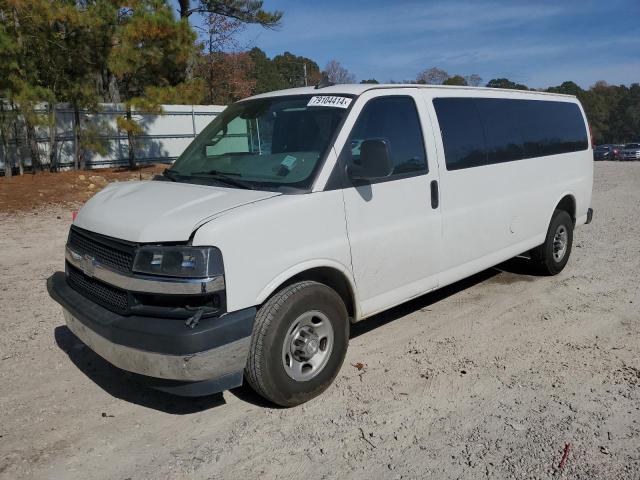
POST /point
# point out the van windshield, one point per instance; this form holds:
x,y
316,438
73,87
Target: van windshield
x,y
275,143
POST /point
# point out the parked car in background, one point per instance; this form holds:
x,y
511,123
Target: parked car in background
x,y
606,152
631,151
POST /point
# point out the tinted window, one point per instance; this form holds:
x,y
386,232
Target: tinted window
x,y
549,128
394,119
462,133
502,132
482,131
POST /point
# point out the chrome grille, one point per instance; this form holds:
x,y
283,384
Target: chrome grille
x,y
111,253
101,293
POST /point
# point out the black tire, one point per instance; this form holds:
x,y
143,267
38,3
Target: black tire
x,y
265,370
547,262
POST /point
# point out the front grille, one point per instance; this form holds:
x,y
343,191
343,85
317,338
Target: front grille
x,y
106,295
109,252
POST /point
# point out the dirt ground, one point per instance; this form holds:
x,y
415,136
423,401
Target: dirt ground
x,y
63,189
492,377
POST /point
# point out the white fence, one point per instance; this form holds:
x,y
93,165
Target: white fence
x,y
163,139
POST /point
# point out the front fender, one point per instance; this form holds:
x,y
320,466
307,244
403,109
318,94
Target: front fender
x,y
291,272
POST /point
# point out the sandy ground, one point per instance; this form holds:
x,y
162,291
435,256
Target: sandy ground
x,y
489,378
66,189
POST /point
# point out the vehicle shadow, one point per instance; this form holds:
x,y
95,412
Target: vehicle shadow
x,y
247,394
520,265
125,385
518,269
419,303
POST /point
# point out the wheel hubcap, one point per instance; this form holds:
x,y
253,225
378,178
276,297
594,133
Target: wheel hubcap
x,y
560,242
307,346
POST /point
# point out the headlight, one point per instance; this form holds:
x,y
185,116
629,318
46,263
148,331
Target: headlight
x,y
184,262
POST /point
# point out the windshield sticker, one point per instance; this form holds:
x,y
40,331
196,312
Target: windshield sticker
x,y
288,162
327,101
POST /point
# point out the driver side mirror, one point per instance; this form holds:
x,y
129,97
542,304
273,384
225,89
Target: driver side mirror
x,y
375,161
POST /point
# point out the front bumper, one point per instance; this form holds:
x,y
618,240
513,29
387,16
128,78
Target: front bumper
x,y
214,351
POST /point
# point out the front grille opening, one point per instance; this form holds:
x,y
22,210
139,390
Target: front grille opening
x,y
109,297
178,301
118,256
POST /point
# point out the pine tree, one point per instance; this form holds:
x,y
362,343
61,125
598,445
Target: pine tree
x,y
149,60
246,11
9,71
88,45
265,72
21,20
62,46
292,70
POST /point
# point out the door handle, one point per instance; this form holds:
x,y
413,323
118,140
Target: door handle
x,y
435,195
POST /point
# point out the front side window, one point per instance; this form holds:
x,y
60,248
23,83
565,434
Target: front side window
x,y
275,143
395,120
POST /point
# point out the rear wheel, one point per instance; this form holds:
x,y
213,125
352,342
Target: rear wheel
x,y
299,343
552,256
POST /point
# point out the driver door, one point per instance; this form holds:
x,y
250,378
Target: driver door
x,y
393,223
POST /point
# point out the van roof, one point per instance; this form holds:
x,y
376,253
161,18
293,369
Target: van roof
x,y
360,88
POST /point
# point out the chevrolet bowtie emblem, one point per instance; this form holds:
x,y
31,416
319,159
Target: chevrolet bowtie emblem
x,y
88,265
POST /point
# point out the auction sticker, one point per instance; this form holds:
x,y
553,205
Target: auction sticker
x,y
328,101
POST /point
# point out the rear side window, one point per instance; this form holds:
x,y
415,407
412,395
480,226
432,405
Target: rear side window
x,y
462,134
482,131
394,119
504,141
549,128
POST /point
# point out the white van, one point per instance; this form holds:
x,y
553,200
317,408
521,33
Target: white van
x,y
298,212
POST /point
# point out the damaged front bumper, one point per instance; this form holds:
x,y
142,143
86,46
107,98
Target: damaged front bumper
x,y
205,359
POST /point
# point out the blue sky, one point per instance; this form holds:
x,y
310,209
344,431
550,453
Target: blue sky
x,y
536,43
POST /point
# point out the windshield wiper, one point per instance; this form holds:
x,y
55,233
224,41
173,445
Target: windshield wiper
x,y
226,178
170,175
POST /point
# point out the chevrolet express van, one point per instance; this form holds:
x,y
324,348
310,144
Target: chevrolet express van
x,y
298,212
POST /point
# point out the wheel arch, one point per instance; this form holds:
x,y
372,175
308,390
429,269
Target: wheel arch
x,y
328,272
566,202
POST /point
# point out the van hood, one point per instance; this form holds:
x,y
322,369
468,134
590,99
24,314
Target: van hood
x,y
157,211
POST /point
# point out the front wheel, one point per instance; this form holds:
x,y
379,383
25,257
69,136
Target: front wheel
x,y
299,342
552,256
